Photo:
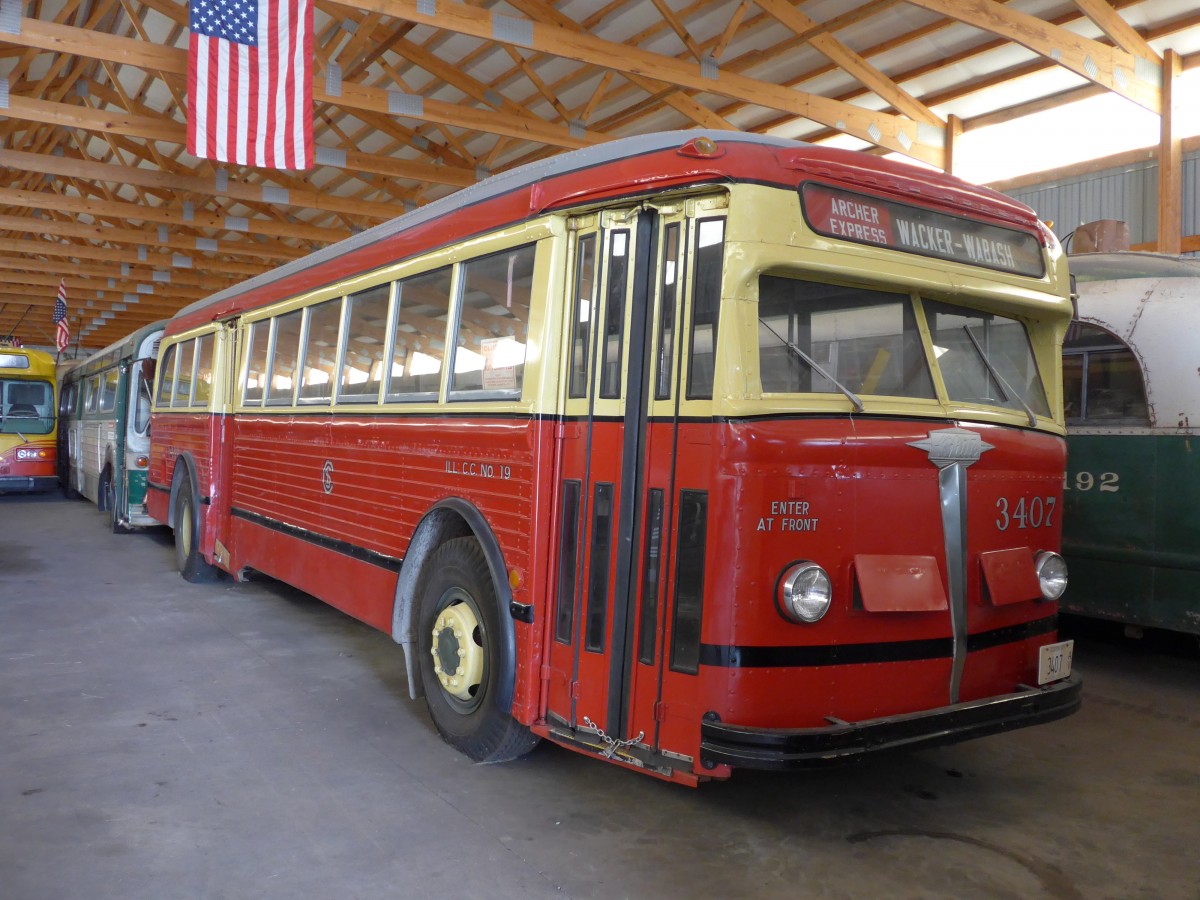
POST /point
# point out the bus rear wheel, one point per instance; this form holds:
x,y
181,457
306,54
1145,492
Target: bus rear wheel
x,y
191,563
463,663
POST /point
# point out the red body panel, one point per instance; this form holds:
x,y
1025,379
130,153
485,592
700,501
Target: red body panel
x,y
865,486
24,460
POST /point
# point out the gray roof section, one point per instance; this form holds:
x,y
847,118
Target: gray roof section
x,y
495,186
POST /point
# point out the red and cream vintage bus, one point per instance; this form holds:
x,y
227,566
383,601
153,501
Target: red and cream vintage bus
x,y
690,452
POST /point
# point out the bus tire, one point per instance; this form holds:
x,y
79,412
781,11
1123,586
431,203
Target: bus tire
x,y
461,656
108,497
67,490
191,563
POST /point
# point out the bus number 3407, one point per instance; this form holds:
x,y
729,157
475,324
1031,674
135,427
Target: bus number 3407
x,y
1032,512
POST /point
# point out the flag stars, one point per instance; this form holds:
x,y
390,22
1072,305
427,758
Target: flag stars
x,y
230,20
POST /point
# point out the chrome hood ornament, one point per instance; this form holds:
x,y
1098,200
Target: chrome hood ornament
x,y
953,445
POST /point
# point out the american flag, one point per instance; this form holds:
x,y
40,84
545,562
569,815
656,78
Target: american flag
x,y
62,330
249,85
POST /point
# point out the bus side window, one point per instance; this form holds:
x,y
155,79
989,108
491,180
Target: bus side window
x,y
320,351
366,335
166,381
257,342
204,361
281,380
706,306
1102,381
493,318
419,348
108,390
183,381
93,393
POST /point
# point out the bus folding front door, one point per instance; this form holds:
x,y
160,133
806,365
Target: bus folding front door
x,y
617,497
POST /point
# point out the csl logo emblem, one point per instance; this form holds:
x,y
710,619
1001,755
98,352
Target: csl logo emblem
x,y
327,476
953,445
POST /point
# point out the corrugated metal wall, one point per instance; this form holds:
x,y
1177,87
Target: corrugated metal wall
x,y
1128,193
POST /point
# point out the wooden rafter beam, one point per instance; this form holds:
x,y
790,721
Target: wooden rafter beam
x,y
169,216
886,130
173,61
238,190
158,261
837,52
1116,69
1118,30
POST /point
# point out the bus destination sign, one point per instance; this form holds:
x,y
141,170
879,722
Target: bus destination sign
x,y
871,220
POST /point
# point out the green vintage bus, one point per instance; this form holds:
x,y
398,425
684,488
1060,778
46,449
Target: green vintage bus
x,y
1131,499
104,430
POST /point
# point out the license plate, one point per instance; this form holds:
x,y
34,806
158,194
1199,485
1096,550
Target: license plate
x,y
1054,661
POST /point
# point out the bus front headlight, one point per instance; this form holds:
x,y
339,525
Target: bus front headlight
x,y
804,592
1052,574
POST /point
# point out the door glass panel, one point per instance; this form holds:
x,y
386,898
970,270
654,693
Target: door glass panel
x,y
689,581
648,630
568,562
706,306
610,351
601,555
584,300
668,293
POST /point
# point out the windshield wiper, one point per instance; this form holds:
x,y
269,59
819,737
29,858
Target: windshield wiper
x,y
812,364
1007,388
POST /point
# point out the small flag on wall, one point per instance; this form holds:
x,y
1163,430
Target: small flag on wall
x,y
249,82
62,330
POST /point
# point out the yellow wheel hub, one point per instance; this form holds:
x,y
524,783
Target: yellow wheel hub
x,y
457,651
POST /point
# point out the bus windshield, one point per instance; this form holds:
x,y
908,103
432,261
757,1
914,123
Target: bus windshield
x,y
826,338
26,407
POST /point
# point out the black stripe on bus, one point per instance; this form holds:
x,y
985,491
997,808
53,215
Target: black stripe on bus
x,y
735,657
362,554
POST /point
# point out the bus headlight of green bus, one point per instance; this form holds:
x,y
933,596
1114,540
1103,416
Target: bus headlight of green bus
x,y
1052,574
804,592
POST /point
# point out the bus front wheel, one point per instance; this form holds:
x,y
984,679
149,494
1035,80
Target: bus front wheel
x,y
108,494
187,538
463,663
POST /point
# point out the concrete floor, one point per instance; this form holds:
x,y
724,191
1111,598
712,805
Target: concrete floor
x,y
166,740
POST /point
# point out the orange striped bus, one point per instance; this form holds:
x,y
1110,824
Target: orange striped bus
x,y
688,452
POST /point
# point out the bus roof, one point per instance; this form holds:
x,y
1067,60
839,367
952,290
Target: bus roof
x,y
627,167
1131,264
114,352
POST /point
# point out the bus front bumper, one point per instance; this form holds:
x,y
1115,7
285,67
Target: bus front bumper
x,y
18,484
742,746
